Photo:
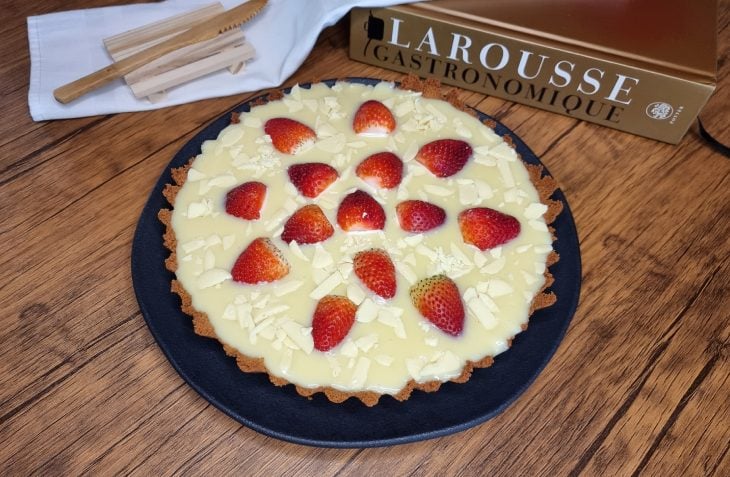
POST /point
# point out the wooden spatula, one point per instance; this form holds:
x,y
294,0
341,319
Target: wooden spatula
x,y
207,30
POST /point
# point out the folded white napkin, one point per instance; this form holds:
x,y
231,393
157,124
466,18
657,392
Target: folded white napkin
x,y
68,45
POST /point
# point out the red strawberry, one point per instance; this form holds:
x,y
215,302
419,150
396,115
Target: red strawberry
x,y
373,118
444,157
486,228
419,216
245,201
312,178
383,169
358,211
307,225
377,272
289,136
260,262
439,301
333,318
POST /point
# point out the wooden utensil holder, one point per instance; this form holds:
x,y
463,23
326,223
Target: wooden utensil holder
x,y
228,50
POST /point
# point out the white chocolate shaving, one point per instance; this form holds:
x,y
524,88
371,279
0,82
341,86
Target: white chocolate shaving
x,y
528,277
321,258
193,245
446,365
230,312
367,312
361,372
535,210
213,277
437,190
200,209
538,225
355,293
406,271
296,250
329,284
543,248
480,259
481,312
365,343
224,180
348,349
231,135
387,317
506,173
208,260
468,194
288,287
286,359
413,240
503,151
499,288
431,341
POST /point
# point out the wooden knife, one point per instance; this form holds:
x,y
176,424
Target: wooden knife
x,y
206,30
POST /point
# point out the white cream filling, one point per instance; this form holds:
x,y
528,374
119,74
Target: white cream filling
x,y
390,343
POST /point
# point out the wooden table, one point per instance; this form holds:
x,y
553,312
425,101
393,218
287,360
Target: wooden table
x,y
639,385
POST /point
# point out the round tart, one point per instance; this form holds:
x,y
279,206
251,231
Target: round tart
x,y
360,240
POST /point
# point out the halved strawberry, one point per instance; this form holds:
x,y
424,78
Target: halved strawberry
x,y
373,118
245,201
382,169
487,228
358,211
289,136
444,157
307,225
419,216
332,320
312,178
377,272
260,262
438,299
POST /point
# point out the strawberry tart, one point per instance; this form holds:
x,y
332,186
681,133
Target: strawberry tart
x,y
361,240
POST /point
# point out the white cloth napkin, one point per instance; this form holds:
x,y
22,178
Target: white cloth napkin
x,y
68,45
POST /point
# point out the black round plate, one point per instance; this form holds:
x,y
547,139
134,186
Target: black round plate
x,y
280,412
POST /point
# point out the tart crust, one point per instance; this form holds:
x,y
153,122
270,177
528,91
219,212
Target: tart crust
x,y
430,88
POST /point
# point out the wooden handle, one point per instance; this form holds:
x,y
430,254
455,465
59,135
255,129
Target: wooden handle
x,y
67,93
88,83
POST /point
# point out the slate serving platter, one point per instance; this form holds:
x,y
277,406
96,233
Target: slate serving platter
x,y
280,412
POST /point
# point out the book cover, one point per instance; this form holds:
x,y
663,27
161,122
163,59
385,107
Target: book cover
x,y
641,66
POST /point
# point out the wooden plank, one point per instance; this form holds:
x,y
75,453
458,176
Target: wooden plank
x,y
145,36
190,71
639,382
695,440
694,352
186,55
715,115
28,302
152,80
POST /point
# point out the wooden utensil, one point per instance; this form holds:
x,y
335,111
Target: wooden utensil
x,y
229,50
207,30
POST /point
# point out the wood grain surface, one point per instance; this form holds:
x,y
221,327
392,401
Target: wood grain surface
x,y
639,385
